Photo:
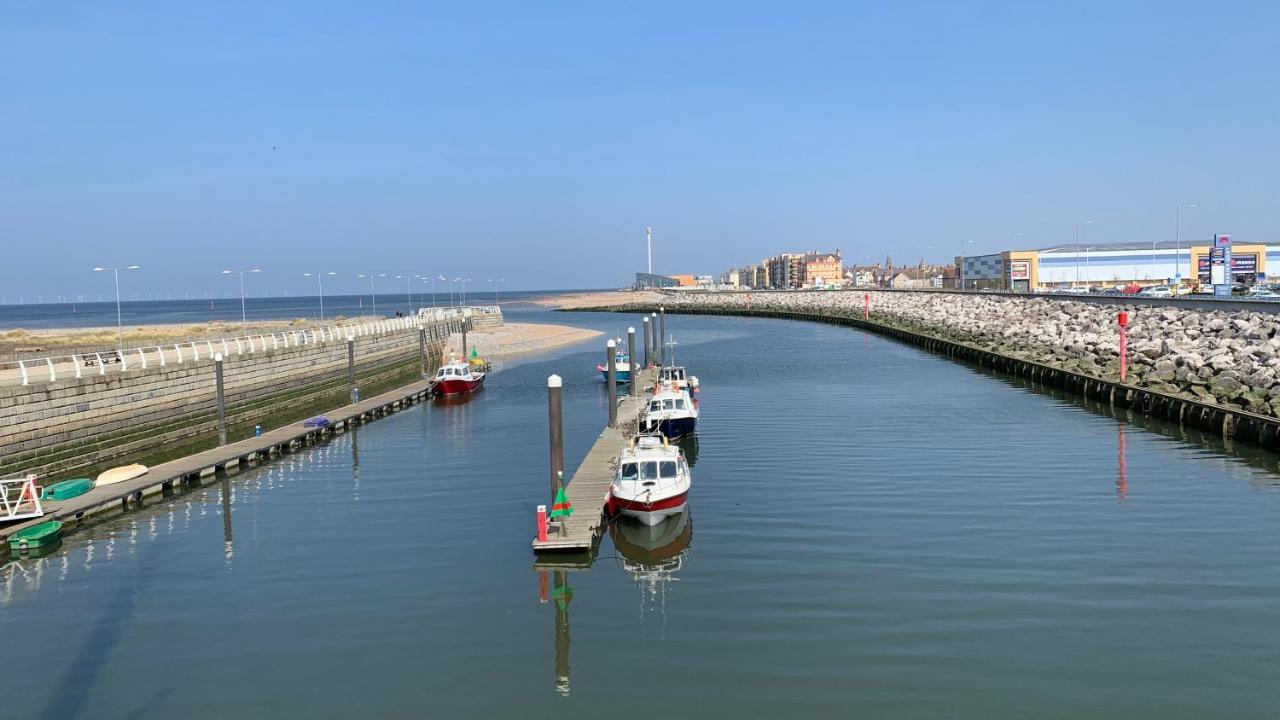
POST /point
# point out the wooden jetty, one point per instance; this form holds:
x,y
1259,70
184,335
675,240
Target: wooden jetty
x,y
160,479
588,487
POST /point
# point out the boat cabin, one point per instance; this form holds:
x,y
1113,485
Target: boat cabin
x,y
673,374
668,402
459,372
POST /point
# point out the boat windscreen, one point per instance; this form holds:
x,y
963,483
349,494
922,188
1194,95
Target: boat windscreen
x,y
649,470
668,469
679,403
667,404
628,471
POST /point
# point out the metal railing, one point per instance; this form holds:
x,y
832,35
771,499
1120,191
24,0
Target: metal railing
x,y
77,365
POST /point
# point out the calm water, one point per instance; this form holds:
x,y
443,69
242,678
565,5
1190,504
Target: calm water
x,y
874,532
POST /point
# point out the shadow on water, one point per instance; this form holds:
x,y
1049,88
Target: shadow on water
x,y
71,693
1252,455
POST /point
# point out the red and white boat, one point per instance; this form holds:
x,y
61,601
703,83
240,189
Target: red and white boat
x,y
652,482
456,379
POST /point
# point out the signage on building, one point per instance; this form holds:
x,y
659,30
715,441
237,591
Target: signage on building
x,y
1020,270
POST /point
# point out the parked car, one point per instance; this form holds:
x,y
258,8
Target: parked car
x,y
1160,291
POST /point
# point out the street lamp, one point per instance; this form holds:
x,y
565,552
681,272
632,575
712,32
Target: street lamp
x,y
115,271
962,244
1177,234
432,280
496,283
1078,224
445,279
451,282
1013,246
244,322
408,291
464,291
372,291
320,279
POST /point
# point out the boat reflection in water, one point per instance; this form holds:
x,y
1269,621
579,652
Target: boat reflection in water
x,y
652,555
689,446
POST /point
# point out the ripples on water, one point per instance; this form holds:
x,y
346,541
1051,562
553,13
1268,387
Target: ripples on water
x,y
879,533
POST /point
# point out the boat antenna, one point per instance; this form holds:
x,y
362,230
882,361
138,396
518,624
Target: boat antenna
x,y
671,344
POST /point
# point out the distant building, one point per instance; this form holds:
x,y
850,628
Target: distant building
x,y
651,280
822,269
684,280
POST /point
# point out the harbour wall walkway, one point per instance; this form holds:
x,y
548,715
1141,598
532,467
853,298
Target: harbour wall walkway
x,y
88,416
991,333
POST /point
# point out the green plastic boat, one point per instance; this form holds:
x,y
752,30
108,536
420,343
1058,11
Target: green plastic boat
x,y
67,489
46,533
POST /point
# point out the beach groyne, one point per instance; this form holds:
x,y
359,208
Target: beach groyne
x,y
1218,369
161,409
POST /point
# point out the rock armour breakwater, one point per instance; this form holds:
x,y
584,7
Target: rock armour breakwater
x,y
1227,358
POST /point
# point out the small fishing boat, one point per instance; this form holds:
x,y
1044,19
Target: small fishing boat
x,y
456,379
120,474
652,481
679,376
66,489
318,421
621,368
42,535
672,412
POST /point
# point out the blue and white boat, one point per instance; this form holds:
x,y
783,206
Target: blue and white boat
x,y
672,411
621,366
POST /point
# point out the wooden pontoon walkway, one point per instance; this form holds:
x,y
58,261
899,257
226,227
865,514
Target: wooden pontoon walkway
x,y
588,488
161,478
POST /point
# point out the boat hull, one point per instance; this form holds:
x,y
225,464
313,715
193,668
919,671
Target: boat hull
x,y
673,428
624,376
455,386
649,512
67,489
36,536
120,474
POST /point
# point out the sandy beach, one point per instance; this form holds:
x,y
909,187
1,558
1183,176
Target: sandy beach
x,y
600,299
515,339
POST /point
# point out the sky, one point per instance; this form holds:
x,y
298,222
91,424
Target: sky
x,y
535,141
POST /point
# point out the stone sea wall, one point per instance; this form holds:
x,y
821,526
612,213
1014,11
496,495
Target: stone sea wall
x,y
1226,358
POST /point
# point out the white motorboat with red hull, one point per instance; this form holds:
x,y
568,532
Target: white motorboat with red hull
x,y
456,379
652,482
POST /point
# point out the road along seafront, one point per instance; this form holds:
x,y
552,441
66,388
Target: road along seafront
x,y
1214,369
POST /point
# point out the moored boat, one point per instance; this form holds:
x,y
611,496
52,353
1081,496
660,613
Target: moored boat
x,y
42,535
621,368
677,375
456,379
120,474
66,489
652,481
671,411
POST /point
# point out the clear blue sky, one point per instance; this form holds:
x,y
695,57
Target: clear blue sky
x,y
535,141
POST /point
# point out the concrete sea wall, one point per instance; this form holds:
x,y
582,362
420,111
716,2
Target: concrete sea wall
x,y
78,423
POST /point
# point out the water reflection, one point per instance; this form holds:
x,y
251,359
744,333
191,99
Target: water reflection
x,y
562,595
689,446
652,555
227,548
1122,480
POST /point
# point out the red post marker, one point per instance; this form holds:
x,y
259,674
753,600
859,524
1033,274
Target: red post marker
x,y
866,305
542,523
1123,319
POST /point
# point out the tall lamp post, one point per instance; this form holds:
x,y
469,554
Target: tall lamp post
x,y
115,271
1013,245
962,244
373,292
451,284
1078,224
320,280
244,322
1177,235
408,292
464,291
